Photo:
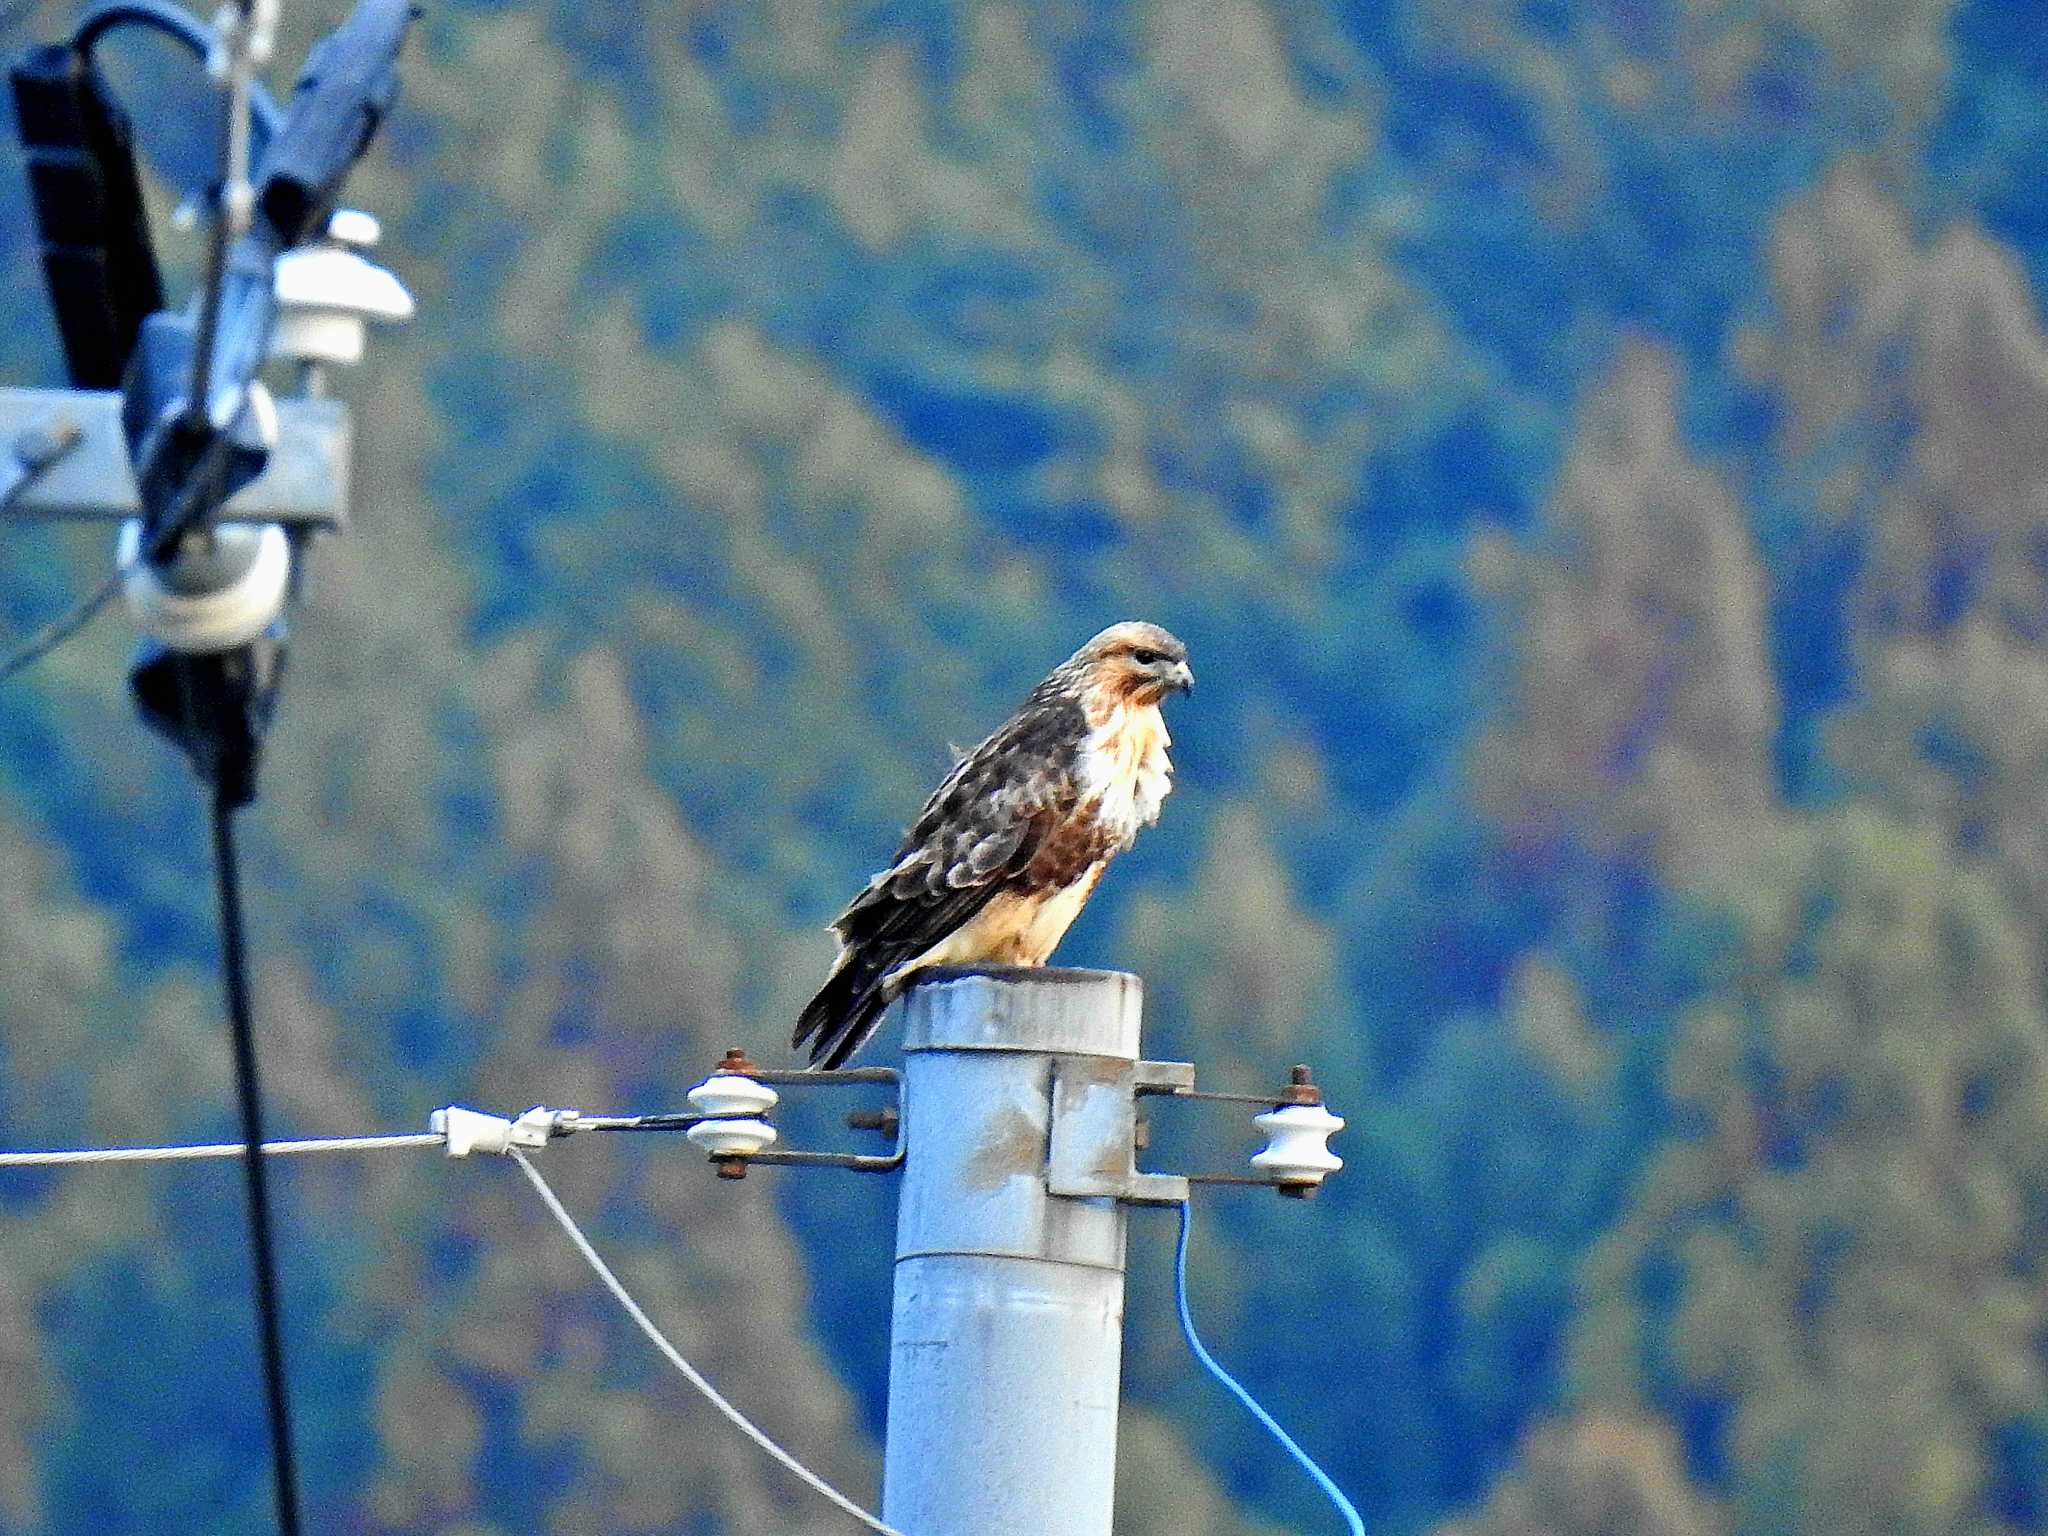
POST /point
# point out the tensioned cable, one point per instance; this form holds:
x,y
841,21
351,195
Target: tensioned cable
x,y
562,1121
218,1150
696,1378
1271,1425
569,1121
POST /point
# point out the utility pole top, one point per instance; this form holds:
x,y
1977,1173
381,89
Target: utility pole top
x,y
1060,1011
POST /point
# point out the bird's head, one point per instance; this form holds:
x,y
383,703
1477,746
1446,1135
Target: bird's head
x,y
1139,663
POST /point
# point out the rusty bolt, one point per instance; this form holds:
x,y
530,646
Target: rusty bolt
x,y
1297,1191
884,1120
1301,1088
730,1167
735,1062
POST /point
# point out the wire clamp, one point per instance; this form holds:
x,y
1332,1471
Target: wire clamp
x,y
471,1130
1098,1131
1093,1148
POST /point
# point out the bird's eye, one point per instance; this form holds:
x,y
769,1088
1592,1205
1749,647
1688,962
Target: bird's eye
x,y
1144,658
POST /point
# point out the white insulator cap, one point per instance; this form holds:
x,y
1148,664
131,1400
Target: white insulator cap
x,y
732,1138
201,622
730,1093
353,227
327,295
1297,1144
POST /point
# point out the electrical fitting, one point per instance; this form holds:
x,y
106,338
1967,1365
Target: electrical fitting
x,y
471,1130
737,1104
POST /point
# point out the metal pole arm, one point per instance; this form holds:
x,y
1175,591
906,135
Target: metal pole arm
x,y
305,483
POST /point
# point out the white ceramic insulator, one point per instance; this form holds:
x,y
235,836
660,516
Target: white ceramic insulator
x,y
733,1094
730,1093
317,336
732,1138
353,227
1297,1144
198,622
327,295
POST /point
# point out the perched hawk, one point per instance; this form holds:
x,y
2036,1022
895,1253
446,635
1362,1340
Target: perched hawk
x,y
1002,856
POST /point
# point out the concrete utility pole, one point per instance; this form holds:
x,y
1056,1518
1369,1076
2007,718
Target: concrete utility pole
x,y
1008,1322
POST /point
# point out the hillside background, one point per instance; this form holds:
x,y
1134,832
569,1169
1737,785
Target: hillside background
x,y
1596,454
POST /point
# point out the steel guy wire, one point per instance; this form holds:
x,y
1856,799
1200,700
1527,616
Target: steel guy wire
x,y
80,1156
567,1122
696,1378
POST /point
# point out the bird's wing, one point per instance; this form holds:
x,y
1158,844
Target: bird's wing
x,y
980,830
980,827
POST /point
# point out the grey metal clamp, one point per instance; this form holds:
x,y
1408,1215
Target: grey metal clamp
x,y
1094,1140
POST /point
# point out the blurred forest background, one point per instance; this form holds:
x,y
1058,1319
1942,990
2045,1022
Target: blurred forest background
x,y
1595,451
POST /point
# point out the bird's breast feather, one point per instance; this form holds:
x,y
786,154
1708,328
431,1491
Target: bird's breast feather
x,y
1124,770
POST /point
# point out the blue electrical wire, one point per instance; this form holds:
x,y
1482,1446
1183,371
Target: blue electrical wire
x,y
1187,1328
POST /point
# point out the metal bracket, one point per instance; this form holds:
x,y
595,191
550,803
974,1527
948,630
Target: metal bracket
x,y
859,1162
888,1121
305,482
1094,1147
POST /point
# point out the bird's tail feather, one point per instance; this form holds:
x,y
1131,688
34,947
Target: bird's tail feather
x,y
847,1009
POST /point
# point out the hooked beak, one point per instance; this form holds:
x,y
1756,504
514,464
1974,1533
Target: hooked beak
x,y
1181,678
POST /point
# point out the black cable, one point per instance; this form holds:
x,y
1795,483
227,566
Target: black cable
x,y
53,634
174,22
171,20
263,1255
